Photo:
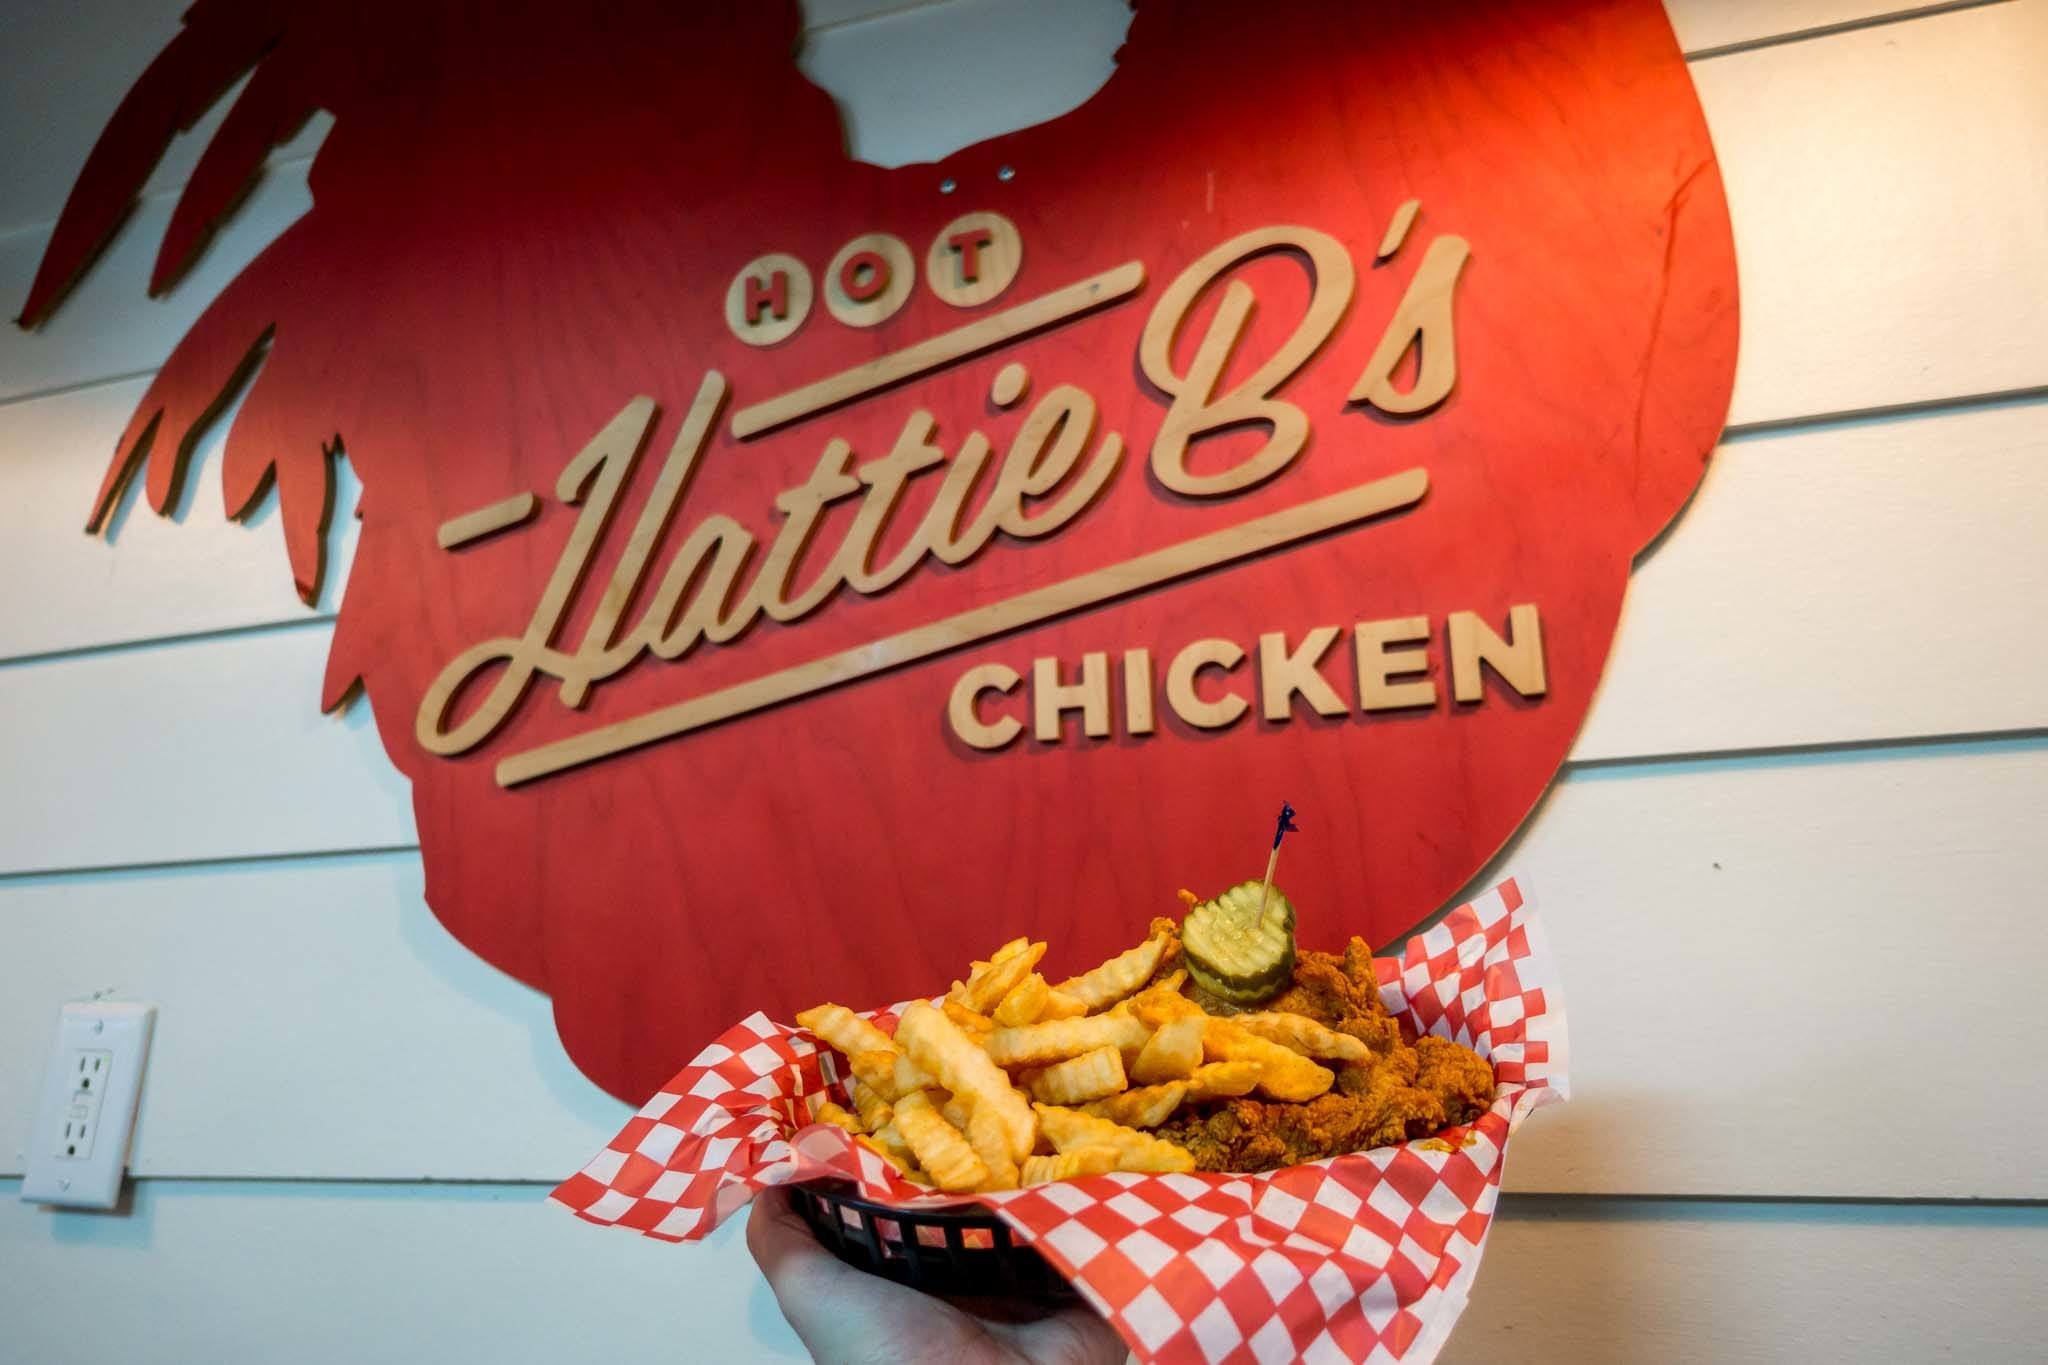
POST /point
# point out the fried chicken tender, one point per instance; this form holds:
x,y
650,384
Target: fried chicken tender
x,y
1406,1090
1170,930
1460,1078
1333,990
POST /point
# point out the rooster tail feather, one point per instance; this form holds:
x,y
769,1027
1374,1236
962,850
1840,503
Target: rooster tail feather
x,y
278,440
270,111
221,39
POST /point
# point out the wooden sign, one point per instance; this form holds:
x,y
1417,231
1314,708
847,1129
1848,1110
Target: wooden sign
x,y
782,577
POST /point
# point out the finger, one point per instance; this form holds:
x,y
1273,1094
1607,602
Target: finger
x,y
839,1313
1073,1335
782,1242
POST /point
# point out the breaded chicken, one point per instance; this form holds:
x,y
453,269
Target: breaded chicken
x,y
1460,1078
1333,990
1407,1090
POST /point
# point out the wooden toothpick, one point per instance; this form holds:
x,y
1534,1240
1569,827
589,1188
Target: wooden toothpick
x,y
1280,832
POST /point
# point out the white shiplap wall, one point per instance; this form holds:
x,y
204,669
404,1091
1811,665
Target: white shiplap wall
x,y
1791,871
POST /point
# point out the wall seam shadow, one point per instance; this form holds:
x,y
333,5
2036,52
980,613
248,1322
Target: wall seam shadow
x,y
1801,35
164,641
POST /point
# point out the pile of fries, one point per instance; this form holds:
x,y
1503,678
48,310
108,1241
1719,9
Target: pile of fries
x,y
1013,1081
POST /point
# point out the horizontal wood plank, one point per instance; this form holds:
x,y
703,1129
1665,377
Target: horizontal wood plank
x,y
201,749
1839,585
152,576
1617,1282
379,1046
347,1274
1889,190
1843,585
488,1273
1761,955
1753,951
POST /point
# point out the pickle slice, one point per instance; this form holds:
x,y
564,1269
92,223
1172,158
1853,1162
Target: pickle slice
x,y
1230,954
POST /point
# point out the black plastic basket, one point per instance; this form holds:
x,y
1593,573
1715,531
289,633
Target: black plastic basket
x,y
964,1252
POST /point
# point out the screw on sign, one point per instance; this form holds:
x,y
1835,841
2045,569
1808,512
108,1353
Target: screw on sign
x,y
732,508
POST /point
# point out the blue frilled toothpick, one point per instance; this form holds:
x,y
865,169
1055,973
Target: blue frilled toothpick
x,y
1280,831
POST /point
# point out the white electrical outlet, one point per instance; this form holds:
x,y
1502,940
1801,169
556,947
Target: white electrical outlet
x,y
79,1148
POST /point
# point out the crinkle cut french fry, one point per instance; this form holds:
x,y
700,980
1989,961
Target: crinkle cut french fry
x,y
937,1044
869,1104
941,1148
984,990
1143,1108
1082,1161
1174,1051
1135,1151
967,1018
902,1166
1156,1005
891,1074
831,1113
992,1144
1222,1080
1089,1076
1053,1040
1119,976
890,1139
910,1076
955,1110
1060,1005
1299,1033
1283,1075
876,1069
843,1029
1172,981
1025,1002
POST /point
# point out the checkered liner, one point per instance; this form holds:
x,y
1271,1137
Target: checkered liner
x,y
1365,1257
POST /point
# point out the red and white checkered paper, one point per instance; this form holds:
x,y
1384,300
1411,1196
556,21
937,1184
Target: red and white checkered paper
x,y
1363,1257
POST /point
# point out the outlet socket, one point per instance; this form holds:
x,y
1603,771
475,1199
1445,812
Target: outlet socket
x,y
78,1151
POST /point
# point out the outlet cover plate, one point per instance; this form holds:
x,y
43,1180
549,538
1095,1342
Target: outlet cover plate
x,y
78,1145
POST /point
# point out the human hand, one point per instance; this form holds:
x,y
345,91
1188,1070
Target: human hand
x,y
846,1316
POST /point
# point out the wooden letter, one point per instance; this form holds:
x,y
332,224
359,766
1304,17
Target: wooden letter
x,y
471,527
773,297
969,244
801,508
983,334
1180,684
960,708
1397,230
1282,675
592,478
1138,691
769,299
600,654
1424,321
1518,660
1046,446
863,275
869,279
974,258
1090,696
1378,665
1197,408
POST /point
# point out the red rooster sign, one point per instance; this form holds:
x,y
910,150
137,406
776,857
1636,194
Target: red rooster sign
x,y
782,577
